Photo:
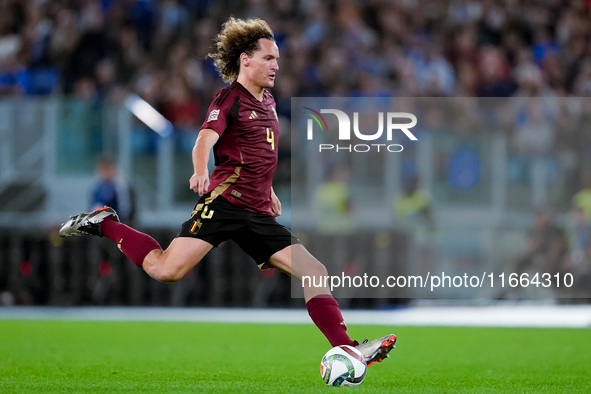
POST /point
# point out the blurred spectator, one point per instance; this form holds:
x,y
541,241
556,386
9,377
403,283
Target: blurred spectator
x,y
113,191
64,38
414,208
582,201
414,212
533,142
455,47
94,44
180,108
578,260
434,74
332,203
495,74
531,82
128,55
545,245
580,225
534,133
106,78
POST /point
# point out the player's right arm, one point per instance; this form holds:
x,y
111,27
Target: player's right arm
x,y
199,181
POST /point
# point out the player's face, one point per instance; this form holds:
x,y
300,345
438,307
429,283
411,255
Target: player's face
x,y
263,64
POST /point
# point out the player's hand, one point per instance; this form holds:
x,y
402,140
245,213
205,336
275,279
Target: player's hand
x,y
199,183
275,204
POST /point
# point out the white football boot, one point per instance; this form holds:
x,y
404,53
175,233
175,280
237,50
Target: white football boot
x,y
87,223
378,349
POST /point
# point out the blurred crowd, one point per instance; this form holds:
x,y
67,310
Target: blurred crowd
x,y
105,49
157,48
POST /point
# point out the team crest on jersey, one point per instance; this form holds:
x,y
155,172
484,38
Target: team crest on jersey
x,y
213,115
275,112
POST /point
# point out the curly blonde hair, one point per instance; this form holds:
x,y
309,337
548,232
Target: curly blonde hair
x,y
237,36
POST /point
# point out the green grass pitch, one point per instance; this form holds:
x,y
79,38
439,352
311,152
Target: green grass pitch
x,y
124,357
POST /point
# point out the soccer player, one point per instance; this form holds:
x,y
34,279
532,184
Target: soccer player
x,y
237,201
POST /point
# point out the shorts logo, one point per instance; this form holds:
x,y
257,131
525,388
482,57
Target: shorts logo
x,y
213,115
236,194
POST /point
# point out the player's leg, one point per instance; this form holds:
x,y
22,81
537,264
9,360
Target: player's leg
x,y
271,244
167,265
173,263
322,307
140,248
307,265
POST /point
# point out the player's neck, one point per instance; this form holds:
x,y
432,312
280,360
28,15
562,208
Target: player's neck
x,y
254,89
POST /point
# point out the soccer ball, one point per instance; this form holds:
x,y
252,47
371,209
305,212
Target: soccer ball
x,y
343,366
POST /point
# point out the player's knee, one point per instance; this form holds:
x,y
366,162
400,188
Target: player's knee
x,y
319,269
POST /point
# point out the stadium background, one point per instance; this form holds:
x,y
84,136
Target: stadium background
x,y
67,68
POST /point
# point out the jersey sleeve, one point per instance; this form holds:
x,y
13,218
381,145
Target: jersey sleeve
x,y
221,111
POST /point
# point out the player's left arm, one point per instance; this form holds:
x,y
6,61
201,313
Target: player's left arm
x,y
275,203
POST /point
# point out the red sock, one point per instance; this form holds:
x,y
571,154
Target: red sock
x,y
132,243
325,313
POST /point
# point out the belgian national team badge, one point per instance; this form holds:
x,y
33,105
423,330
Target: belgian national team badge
x,y
196,226
213,115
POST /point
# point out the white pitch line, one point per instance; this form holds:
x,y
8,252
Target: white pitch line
x,y
568,316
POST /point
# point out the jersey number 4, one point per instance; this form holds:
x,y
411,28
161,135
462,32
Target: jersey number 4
x,y
271,138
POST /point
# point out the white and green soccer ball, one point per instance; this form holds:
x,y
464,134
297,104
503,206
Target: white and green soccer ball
x,y
343,366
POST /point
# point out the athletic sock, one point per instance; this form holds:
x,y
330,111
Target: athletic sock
x,y
325,313
132,243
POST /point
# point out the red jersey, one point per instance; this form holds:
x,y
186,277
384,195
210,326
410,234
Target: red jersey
x,y
246,153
